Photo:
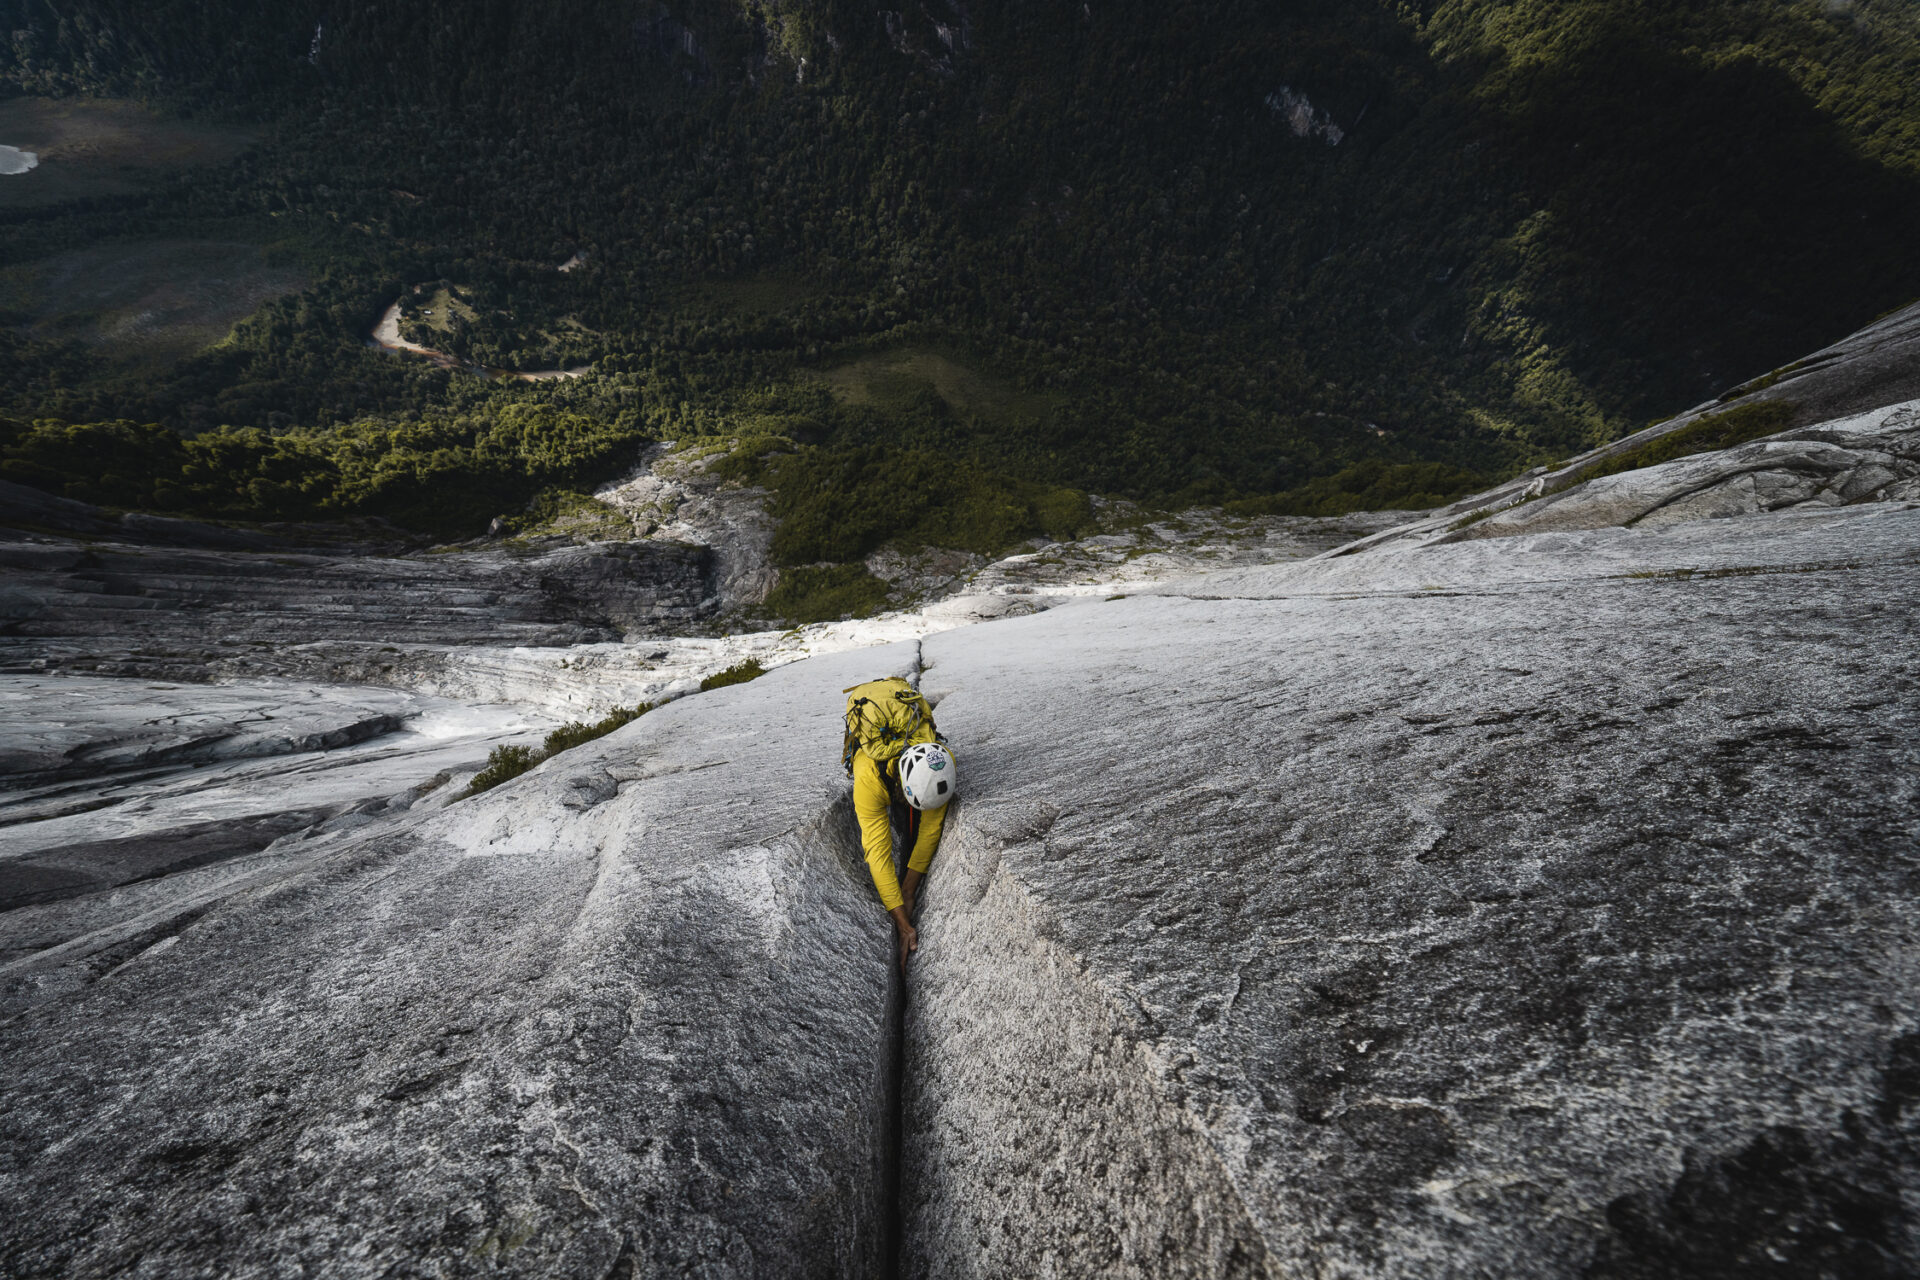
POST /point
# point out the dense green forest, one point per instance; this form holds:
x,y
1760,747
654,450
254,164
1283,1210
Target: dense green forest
x,y
1288,256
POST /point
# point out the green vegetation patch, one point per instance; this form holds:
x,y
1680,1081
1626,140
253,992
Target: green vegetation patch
x,y
448,476
1715,431
571,514
575,732
1737,571
738,673
1473,518
149,301
1368,486
765,292
825,593
507,763
897,379
1084,257
426,319
503,765
839,504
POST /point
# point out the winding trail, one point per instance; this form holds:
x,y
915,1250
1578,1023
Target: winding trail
x,y
386,336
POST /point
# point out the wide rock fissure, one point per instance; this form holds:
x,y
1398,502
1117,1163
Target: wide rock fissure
x,y
1540,906
1051,1145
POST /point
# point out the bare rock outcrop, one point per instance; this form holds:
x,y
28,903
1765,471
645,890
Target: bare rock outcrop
x,y
1532,906
131,594
1536,907
159,727
675,496
1860,396
1874,457
125,804
631,1014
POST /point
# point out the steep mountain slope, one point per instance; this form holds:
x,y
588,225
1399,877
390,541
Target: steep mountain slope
x,y
1532,907
631,1013
1527,891
1843,403
1216,248
1538,905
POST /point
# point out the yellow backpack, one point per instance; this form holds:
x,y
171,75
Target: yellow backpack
x,y
884,718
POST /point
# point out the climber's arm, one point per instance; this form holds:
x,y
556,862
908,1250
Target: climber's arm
x,y
926,839
931,822
876,836
876,831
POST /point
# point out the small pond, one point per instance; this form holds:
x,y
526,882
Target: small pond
x,y
13,160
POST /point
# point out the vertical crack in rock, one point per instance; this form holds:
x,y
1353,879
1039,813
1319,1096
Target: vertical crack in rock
x,y
895,1242
1058,1106
892,1192
653,1034
1527,934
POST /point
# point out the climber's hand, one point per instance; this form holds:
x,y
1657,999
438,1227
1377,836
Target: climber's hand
x,y
909,936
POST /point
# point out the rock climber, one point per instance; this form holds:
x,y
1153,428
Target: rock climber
x,y
895,755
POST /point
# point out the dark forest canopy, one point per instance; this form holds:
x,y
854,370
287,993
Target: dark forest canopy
x,y
1182,251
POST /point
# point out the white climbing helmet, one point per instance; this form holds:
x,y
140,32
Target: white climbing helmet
x,y
927,775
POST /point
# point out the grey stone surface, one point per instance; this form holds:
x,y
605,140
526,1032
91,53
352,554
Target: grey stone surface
x,y
1541,906
523,1035
89,866
131,593
1871,369
62,728
1838,463
123,803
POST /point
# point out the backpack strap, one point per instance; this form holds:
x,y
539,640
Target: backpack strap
x,y
851,743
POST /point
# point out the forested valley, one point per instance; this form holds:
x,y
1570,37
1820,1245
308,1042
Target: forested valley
x,y
1302,257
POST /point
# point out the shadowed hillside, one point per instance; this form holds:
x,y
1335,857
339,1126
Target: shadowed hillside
x,y
1208,251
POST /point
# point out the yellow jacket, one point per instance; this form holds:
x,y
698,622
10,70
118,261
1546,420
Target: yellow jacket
x,y
872,791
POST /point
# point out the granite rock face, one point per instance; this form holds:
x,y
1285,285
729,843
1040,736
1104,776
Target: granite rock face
x,y
676,497
55,733
91,590
124,805
136,593
1874,457
631,1014
1863,378
1534,907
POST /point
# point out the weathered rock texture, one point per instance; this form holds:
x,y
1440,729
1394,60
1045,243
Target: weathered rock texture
x,y
131,594
1874,369
1534,907
676,497
1874,457
55,732
631,1014
125,804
